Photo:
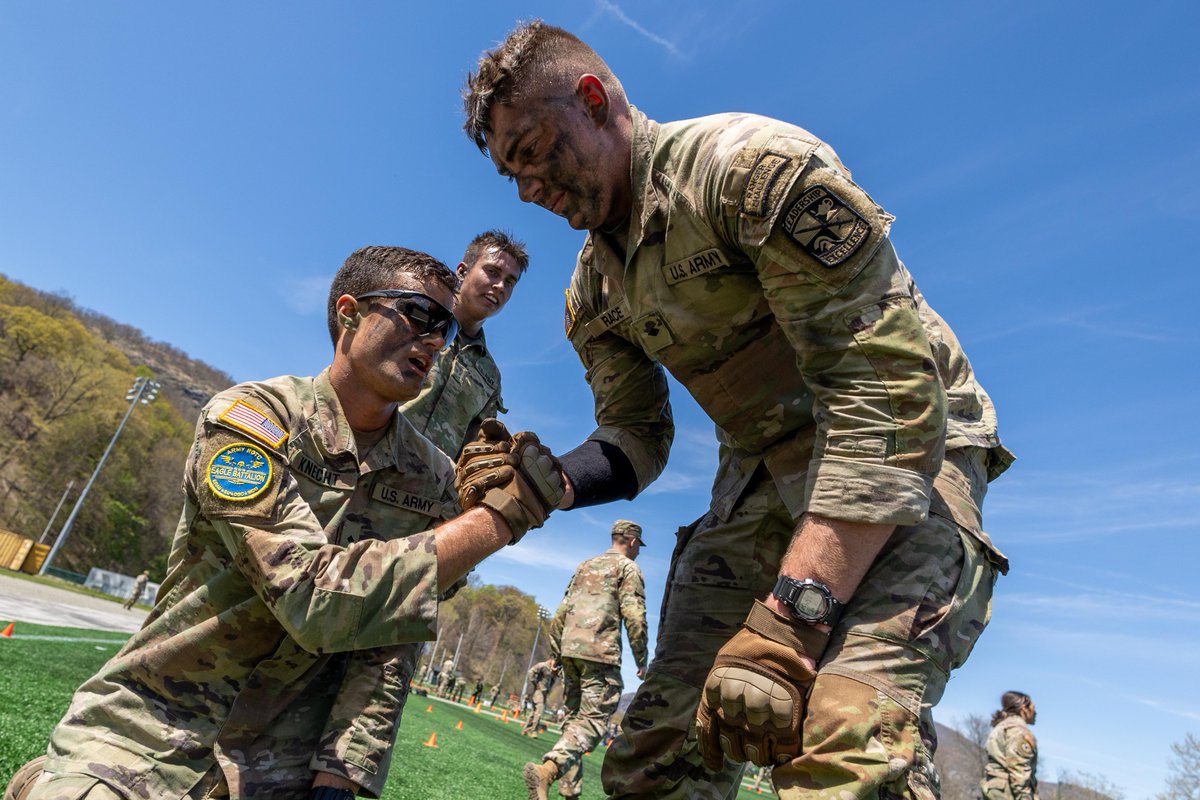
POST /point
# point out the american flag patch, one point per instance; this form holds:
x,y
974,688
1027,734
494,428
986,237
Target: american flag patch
x,y
246,417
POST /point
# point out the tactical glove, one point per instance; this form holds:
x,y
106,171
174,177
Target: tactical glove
x,y
516,476
752,707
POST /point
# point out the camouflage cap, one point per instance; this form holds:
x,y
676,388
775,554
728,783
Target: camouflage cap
x,y
627,528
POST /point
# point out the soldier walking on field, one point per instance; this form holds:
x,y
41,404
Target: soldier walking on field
x,y
585,638
139,586
813,614
541,679
1011,770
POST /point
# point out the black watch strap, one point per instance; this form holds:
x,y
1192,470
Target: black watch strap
x,y
809,601
330,793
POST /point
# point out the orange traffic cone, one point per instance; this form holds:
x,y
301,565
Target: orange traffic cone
x,y
432,739
429,708
504,717
7,632
478,708
458,727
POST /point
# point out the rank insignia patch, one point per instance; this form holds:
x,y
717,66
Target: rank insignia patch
x,y
568,316
828,229
246,417
239,472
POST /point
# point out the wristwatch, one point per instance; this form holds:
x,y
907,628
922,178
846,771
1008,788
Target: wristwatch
x,y
809,601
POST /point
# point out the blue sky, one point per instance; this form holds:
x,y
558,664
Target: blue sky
x,y
194,169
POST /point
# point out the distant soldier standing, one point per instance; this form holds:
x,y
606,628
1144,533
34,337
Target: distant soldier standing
x,y
495,695
1011,771
585,636
446,678
139,586
541,679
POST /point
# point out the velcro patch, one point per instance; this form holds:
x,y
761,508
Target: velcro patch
x,y
694,265
569,318
825,226
402,499
239,472
757,192
611,317
246,417
653,332
314,471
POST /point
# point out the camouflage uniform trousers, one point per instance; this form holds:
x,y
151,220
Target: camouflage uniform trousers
x,y
73,786
868,730
591,692
534,720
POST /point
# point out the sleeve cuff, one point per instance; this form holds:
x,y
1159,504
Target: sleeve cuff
x,y
872,493
646,466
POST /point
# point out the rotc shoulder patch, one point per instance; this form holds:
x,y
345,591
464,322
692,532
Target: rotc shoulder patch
x,y
249,419
825,226
239,472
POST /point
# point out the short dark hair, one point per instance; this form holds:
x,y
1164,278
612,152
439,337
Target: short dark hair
x,y
1011,703
500,240
535,60
376,267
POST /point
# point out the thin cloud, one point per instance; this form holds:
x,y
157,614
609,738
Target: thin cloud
x,y
616,11
306,295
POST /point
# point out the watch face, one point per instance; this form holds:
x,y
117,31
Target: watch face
x,y
811,603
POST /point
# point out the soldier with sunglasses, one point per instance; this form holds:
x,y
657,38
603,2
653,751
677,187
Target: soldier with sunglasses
x,y
318,528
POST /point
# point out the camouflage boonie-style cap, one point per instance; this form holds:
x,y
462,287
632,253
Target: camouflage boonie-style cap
x,y
629,529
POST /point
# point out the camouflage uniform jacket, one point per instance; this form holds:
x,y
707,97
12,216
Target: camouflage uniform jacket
x,y
1011,771
462,390
277,644
759,275
541,678
603,591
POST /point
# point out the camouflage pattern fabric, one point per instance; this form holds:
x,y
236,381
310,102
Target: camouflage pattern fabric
x,y
541,679
761,277
868,729
757,273
278,645
1011,770
460,392
591,693
603,592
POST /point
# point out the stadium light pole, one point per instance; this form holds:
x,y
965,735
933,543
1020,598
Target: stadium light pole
x,y
543,614
143,391
57,508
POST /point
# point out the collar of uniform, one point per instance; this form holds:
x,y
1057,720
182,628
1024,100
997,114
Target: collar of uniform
x,y
645,199
329,421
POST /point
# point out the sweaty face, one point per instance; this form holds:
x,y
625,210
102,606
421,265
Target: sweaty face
x,y
386,355
487,286
561,160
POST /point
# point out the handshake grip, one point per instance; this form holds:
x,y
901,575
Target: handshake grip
x,y
514,475
753,703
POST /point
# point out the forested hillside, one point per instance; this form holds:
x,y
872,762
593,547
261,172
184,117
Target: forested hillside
x,y
64,373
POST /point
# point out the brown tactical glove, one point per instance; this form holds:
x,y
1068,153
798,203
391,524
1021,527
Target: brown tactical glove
x,y
753,702
516,476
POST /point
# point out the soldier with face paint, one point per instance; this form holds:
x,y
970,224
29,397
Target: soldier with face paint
x,y
318,528
812,616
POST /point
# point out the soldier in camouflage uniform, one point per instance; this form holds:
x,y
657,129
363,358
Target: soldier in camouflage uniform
x,y
585,637
1011,770
541,678
278,657
139,586
463,388
735,252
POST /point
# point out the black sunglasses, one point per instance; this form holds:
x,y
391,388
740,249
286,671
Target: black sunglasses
x,y
426,315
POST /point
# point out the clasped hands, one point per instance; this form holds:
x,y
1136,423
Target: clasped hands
x,y
514,475
753,703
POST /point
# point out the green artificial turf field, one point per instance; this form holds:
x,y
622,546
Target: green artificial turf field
x,y
41,666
